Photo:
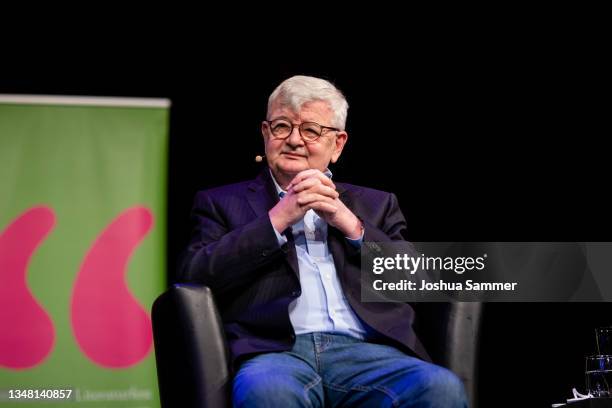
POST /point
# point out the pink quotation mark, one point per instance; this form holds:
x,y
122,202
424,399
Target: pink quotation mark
x,y
26,330
110,326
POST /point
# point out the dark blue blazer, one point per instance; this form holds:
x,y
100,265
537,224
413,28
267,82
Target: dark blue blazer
x,y
235,252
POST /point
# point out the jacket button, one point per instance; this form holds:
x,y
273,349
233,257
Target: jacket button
x,y
264,253
292,337
296,293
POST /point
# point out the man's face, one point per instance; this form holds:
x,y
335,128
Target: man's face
x,y
287,157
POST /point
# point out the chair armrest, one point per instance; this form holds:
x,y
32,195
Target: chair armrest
x,y
190,349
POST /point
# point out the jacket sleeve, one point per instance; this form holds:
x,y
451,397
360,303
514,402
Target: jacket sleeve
x,y
389,225
385,224
392,226
224,258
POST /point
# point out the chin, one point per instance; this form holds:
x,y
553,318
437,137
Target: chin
x,y
292,168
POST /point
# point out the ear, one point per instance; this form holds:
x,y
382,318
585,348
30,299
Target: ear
x,y
341,138
265,130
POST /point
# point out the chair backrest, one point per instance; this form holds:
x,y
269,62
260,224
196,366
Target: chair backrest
x,y
190,349
451,334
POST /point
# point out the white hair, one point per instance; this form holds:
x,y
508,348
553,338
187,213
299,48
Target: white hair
x,y
298,90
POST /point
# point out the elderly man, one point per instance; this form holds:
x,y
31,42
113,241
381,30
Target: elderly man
x,y
282,255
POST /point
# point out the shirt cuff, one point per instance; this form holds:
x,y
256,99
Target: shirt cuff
x,y
281,238
356,242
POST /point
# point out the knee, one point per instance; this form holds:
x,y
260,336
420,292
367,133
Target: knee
x,y
267,390
441,388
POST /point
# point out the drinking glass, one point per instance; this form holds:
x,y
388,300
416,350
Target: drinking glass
x,y
603,336
599,375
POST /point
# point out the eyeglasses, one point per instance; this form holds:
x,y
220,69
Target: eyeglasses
x,y
309,131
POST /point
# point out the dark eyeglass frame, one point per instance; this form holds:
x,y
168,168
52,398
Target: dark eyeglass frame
x,y
299,126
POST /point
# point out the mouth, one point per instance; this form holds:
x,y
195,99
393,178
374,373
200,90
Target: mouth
x,y
293,155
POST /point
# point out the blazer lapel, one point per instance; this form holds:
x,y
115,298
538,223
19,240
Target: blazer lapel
x,y
262,196
261,193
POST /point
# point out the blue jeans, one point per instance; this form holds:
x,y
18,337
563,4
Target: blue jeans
x,y
331,370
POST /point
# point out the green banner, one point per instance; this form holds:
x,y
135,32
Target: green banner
x,y
82,249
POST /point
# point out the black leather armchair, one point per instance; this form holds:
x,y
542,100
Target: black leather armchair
x,y
192,357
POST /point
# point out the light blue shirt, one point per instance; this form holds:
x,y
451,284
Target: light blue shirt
x,y
322,306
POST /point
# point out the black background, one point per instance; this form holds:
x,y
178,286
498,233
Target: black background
x,y
488,141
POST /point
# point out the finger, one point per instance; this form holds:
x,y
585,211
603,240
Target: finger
x,y
304,174
323,207
311,182
312,173
323,190
315,186
305,184
307,198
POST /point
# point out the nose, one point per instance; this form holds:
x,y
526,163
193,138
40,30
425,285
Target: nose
x,y
295,139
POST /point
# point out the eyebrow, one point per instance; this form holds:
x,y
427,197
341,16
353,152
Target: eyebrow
x,y
281,117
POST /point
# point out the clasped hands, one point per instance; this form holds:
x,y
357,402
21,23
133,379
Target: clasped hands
x,y
312,190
